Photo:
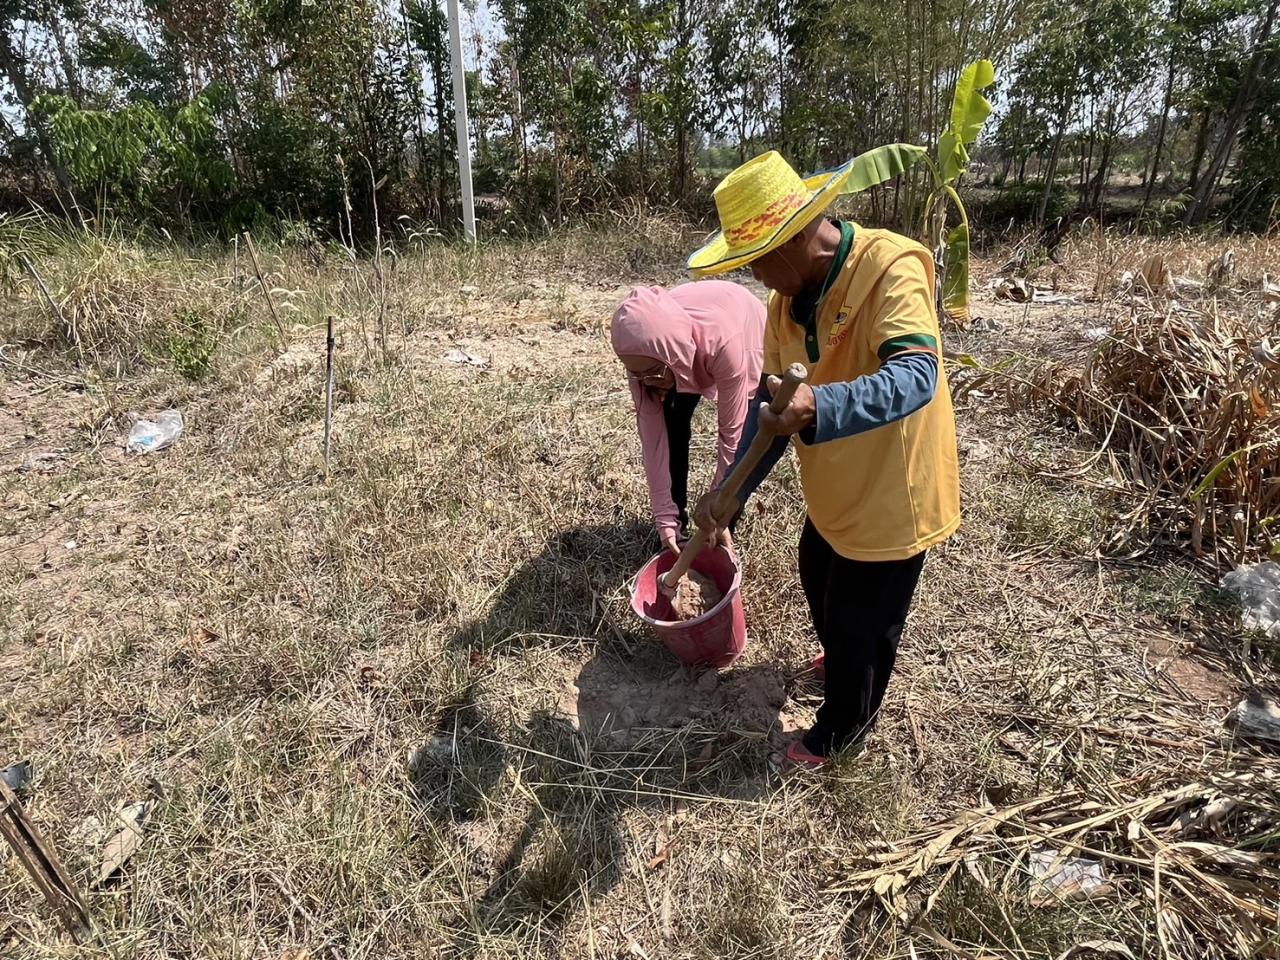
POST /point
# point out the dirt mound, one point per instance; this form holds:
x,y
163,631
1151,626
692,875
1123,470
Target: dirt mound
x,y
622,699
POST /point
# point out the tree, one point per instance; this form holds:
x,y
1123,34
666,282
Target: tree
x,y
430,32
1246,96
1172,40
18,70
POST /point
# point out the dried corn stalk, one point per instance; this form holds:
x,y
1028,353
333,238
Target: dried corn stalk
x,y
1186,404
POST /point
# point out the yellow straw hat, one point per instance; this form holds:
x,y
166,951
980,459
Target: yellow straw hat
x,y
762,205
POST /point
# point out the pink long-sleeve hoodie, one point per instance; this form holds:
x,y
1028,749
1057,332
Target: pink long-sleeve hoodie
x,y
710,334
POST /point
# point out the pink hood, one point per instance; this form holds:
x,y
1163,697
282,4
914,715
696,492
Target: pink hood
x,y
650,323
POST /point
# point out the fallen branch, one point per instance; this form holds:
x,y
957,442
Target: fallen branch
x,y
328,393
266,291
1145,831
68,326
43,865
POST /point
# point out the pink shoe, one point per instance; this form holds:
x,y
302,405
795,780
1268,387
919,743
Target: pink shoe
x,y
796,757
819,667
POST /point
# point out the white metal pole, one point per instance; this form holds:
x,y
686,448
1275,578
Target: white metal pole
x,y
460,116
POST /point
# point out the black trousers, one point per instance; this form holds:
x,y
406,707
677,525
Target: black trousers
x,y
859,608
677,410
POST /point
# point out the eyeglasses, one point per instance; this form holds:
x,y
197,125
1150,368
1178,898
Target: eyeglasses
x,y
658,372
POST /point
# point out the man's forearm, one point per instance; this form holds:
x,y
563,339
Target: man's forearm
x,y
903,384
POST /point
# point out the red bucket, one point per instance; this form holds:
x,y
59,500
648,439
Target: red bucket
x,y
716,638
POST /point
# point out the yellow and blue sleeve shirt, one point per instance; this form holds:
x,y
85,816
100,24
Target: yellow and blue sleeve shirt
x,y
879,465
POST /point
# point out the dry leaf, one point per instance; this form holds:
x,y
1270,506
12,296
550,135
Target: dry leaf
x,y
1154,274
975,870
1259,720
1270,290
198,636
1014,288
1223,268
663,842
1211,814
126,841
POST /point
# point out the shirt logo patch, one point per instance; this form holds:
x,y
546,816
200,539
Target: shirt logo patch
x,y
838,330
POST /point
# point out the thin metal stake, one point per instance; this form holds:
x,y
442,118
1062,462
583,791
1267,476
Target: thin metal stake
x,y
328,394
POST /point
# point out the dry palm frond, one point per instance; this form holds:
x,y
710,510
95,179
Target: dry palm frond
x,y
1196,851
1186,401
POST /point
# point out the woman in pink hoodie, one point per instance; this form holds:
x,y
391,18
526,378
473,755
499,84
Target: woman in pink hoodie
x,y
695,340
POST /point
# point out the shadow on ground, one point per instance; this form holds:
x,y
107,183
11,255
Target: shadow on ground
x,y
635,730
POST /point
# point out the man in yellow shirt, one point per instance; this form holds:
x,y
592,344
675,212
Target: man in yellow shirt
x,y
873,428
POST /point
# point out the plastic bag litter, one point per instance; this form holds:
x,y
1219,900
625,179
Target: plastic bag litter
x,y
17,777
1054,874
148,436
465,358
1258,587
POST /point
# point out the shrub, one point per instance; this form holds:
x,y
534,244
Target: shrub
x,y
1018,204
192,345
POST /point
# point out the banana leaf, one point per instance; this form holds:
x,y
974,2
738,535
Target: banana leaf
x,y
969,111
880,164
955,284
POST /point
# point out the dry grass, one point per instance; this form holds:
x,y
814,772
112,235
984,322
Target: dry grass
x,y
377,714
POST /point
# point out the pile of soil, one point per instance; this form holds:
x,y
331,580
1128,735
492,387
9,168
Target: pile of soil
x,y
621,699
695,595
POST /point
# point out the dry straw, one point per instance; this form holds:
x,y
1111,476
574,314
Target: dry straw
x,y
1182,392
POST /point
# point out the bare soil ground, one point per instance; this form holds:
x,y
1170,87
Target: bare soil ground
x,y
405,711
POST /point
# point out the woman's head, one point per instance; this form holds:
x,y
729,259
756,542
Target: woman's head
x,y
653,337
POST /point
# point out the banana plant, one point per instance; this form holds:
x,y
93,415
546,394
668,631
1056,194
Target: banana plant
x,y
969,112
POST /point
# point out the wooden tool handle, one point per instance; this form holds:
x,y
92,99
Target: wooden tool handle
x,y
794,375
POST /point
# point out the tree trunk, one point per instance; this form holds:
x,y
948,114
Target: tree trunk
x,y
555,145
782,83
682,120
1088,166
442,156
1200,205
517,94
420,113
1052,172
1197,154
555,142
70,68
11,65
1100,178
1164,116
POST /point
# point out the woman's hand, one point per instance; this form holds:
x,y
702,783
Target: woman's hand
x,y
668,538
